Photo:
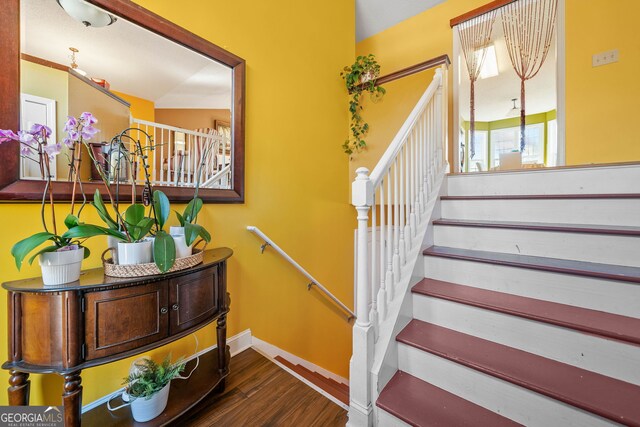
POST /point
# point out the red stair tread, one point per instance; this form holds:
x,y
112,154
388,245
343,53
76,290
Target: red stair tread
x,y
419,403
554,265
608,397
326,384
608,325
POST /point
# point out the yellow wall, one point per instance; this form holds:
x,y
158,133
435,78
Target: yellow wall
x,y
295,185
193,118
600,101
141,108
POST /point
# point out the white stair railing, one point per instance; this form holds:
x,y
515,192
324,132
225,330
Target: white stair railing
x,y
219,180
314,282
178,154
398,190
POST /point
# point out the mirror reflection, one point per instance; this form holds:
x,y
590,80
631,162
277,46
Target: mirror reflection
x,y
176,102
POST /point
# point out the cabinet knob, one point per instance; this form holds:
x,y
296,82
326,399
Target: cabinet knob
x,y
174,307
164,310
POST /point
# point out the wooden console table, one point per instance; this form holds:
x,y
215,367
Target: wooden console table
x,y
99,319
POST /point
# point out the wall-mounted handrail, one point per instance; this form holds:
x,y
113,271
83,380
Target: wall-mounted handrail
x,y
314,282
413,69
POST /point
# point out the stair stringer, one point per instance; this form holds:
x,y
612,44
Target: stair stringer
x,y
400,310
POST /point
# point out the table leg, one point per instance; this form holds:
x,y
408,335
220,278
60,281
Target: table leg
x,y
223,362
19,385
72,399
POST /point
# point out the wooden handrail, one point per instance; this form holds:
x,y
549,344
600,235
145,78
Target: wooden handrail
x,y
479,11
429,63
422,66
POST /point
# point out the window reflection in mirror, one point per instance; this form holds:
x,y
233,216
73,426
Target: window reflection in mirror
x,y
127,77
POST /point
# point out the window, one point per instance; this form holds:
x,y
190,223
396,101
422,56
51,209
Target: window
x,y
508,139
479,162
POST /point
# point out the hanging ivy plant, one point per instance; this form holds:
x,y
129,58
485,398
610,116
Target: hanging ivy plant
x,y
360,77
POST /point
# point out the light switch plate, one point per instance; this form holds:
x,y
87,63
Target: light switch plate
x,y
604,58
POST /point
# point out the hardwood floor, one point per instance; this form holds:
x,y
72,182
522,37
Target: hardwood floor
x,y
260,393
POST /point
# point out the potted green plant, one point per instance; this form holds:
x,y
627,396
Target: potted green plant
x,y
131,229
61,260
147,387
360,77
186,234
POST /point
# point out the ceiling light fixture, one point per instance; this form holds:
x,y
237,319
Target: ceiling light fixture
x,y
86,13
514,111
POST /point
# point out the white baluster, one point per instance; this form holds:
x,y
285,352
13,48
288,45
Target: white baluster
x,y
382,292
388,280
414,193
373,315
396,226
407,203
360,408
401,222
419,158
416,175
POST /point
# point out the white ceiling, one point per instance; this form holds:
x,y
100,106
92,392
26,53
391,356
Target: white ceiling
x,y
374,16
133,60
493,95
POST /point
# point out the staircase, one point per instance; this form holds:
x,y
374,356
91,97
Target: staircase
x,y
524,308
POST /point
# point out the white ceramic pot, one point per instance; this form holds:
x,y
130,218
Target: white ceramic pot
x,y
182,250
176,231
147,409
135,253
151,239
62,266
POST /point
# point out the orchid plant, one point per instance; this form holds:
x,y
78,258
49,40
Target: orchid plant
x,y
36,146
134,225
189,216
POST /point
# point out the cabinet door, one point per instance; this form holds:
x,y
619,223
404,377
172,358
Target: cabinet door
x,y
123,319
194,299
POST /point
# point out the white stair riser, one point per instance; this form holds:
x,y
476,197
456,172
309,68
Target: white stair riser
x,y
604,356
600,248
600,180
604,295
511,401
385,419
560,211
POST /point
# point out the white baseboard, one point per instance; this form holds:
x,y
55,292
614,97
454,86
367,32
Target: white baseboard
x,y
237,344
270,351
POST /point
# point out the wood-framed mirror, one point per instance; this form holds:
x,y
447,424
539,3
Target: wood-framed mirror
x,y
142,72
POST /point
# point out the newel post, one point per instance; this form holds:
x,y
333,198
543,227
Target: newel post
x,y
360,406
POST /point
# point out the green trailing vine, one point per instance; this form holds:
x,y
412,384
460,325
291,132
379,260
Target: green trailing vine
x,y
360,77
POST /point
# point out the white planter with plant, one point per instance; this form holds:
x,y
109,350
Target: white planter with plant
x,y
147,387
188,231
135,252
61,266
61,260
